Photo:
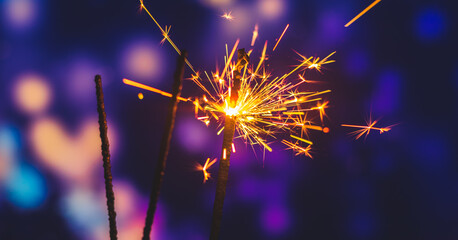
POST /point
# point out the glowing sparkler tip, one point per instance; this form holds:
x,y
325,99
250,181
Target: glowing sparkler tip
x,y
326,130
232,111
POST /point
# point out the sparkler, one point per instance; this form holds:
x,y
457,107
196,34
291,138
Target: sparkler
x,y
231,111
164,147
103,129
247,100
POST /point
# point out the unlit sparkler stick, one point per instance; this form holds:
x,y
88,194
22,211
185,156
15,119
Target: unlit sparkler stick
x,y
229,129
103,128
165,144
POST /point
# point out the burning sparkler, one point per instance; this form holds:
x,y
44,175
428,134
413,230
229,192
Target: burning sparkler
x,y
266,105
248,100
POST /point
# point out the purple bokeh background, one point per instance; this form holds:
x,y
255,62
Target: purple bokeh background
x,y
397,63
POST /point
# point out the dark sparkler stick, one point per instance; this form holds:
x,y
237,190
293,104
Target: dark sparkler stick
x,y
164,148
229,129
103,128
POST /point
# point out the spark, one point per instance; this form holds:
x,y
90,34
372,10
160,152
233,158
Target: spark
x,y
165,34
228,16
255,35
205,167
264,105
315,63
363,12
140,96
298,149
301,77
320,108
281,36
303,140
197,80
365,130
142,86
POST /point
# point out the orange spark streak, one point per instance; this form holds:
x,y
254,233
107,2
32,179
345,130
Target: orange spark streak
x,y
281,36
299,150
142,86
362,13
255,35
233,147
320,108
166,36
204,168
365,130
229,59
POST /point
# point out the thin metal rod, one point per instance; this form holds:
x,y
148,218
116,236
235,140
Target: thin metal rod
x,y
103,128
164,147
229,129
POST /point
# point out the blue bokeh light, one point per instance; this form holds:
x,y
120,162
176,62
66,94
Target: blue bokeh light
x,y
430,24
9,139
26,187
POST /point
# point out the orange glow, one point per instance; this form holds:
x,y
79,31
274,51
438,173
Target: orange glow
x,y
228,16
281,36
224,154
142,86
362,13
326,130
32,94
140,96
73,155
233,148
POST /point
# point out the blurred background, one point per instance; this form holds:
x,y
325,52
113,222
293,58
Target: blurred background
x,y
398,62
